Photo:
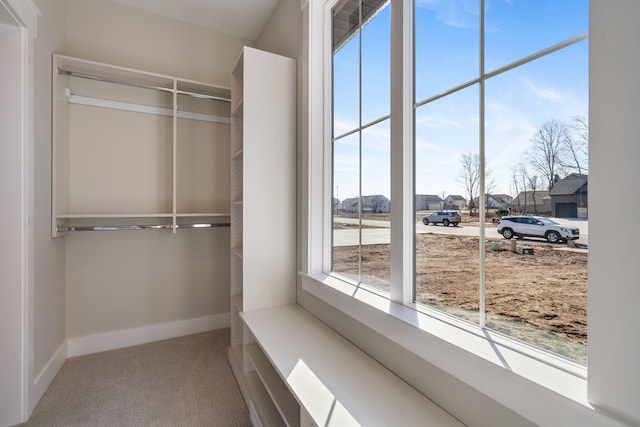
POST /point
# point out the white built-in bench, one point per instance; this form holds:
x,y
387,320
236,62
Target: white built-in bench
x,y
315,377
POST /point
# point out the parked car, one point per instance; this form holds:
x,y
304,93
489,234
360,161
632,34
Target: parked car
x,y
535,226
442,217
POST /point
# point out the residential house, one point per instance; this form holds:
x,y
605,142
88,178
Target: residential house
x,y
455,202
569,197
60,296
428,202
496,201
373,204
531,202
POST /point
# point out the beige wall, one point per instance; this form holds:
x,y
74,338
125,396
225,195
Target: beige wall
x,y
122,280
283,33
126,279
49,285
105,31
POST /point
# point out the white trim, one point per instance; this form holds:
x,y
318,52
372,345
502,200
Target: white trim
x,y
402,185
46,376
28,201
24,15
25,12
128,337
489,366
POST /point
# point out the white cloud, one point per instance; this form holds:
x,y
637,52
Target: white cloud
x,y
455,13
542,93
439,121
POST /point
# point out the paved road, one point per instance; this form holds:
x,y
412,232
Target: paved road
x,y
349,237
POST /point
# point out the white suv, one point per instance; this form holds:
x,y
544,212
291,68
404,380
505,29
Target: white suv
x,y
535,226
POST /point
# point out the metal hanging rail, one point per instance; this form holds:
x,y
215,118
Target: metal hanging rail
x,y
140,85
138,227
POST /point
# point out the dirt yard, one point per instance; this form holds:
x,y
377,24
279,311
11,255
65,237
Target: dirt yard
x,y
539,298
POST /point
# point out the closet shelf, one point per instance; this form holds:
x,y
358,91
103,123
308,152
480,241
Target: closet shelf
x,y
132,143
237,110
237,251
123,82
236,300
157,221
139,227
146,109
237,155
141,215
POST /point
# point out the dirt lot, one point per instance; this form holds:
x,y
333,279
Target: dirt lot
x,y
539,298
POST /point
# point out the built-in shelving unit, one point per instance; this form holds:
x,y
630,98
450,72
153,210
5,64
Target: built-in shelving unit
x,y
137,150
263,218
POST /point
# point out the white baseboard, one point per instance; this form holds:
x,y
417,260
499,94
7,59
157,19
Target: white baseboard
x,y
127,337
46,376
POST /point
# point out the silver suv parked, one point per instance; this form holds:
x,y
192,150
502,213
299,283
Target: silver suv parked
x,y
536,226
443,217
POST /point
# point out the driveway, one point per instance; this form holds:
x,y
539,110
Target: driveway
x,y
382,235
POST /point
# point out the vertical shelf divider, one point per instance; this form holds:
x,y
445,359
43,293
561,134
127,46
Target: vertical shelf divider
x,y
263,174
175,156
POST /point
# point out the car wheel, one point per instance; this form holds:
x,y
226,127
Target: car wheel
x,y
455,224
445,222
425,221
507,233
553,237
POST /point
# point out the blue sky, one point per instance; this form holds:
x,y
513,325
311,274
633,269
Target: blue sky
x,y
516,102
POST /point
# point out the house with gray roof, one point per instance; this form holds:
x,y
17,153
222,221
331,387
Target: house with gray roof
x,y
532,202
428,202
455,201
569,197
373,204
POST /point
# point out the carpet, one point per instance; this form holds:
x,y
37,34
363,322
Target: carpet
x,y
184,381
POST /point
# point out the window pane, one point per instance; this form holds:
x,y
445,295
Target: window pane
x,y
346,68
537,150
446,165
376,66
346,202
361,160
447,43
376,181
517,29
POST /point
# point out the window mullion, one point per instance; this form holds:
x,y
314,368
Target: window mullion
x,y
402,169
360,141
482,196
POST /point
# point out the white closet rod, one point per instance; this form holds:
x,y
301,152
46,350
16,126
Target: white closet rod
x,y
137,227
140,85
138,108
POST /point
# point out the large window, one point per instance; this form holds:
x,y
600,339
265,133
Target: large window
x,y
361,142
500,102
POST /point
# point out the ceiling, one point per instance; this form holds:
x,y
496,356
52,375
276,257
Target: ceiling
x,y
240,18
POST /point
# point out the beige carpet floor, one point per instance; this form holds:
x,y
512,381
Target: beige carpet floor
x,y
185,381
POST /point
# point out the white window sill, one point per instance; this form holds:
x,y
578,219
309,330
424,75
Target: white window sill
x,y
538,385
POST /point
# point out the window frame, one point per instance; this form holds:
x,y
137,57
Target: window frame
x,y
403,110
514,374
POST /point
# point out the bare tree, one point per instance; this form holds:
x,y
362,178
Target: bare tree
x,y
532,181
489,185
470,178
548,150
442,195
516,184
577,147
527,184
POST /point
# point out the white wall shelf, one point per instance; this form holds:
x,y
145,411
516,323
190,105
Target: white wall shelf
x,y
263,211
130,144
